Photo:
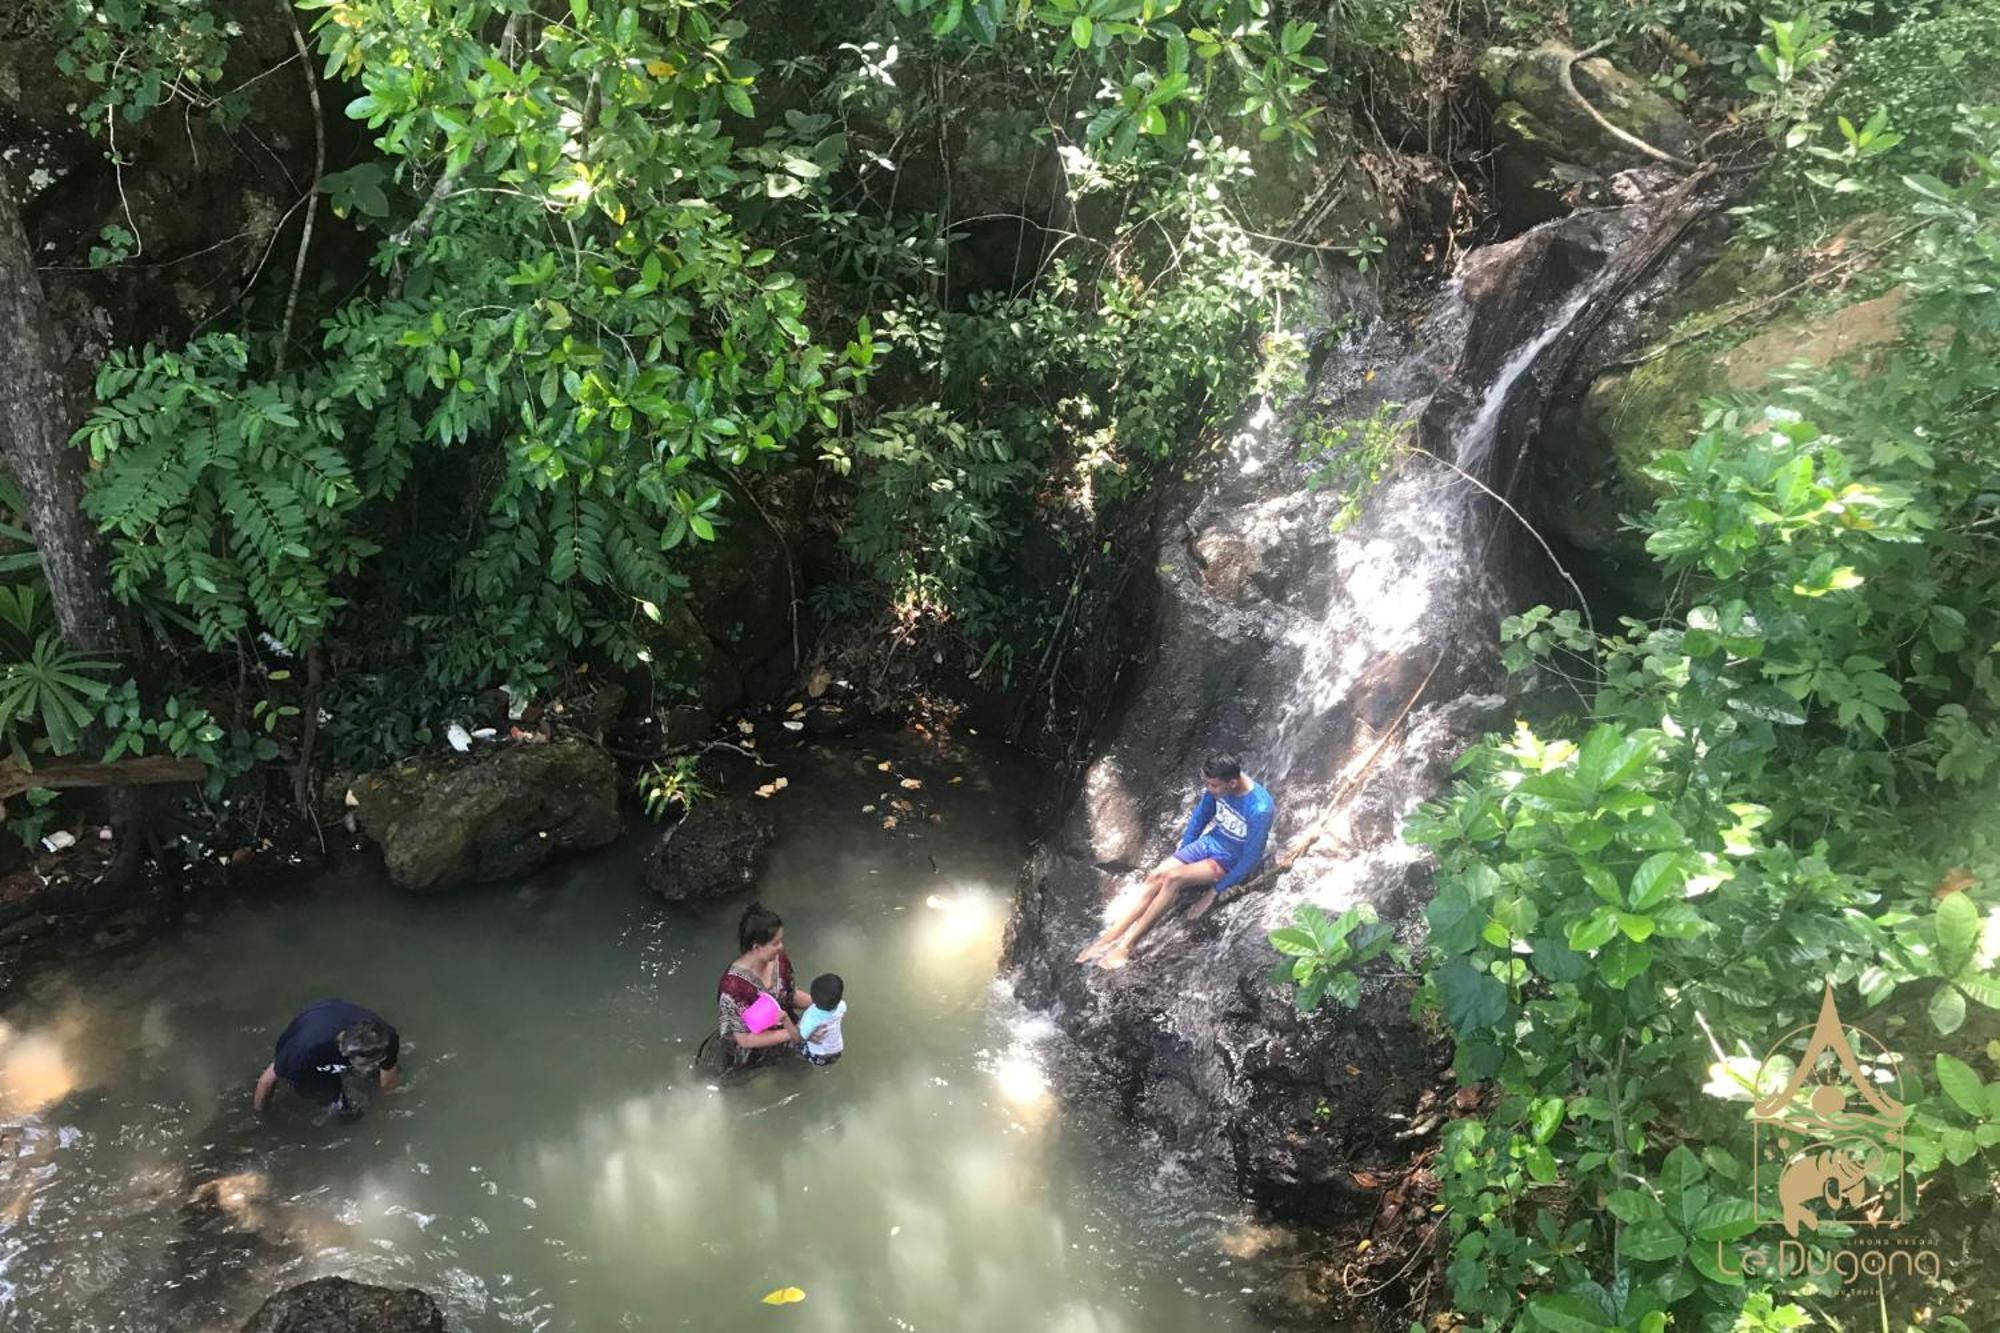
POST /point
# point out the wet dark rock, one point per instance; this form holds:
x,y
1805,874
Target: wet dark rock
x,y
1348,671
337,1305
831,721
688,724
717,850
444,821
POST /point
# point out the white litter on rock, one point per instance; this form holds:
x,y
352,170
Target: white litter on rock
x,y
60,840
459,740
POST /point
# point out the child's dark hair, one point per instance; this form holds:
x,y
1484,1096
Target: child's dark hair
x,y
1222,768
759,926
827,990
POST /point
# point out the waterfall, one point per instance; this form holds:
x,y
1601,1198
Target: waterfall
x,y
1349,670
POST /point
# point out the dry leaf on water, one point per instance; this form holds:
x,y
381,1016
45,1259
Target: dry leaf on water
x,y
884,766
796,707
913,784
785,1296
888,821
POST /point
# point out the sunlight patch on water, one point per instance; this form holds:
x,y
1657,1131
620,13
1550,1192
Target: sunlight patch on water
x,y
34,1071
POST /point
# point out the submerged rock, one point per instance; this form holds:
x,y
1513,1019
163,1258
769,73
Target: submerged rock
x,y
717,850
501,813
337,1305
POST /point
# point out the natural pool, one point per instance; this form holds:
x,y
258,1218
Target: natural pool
x,y
553,1161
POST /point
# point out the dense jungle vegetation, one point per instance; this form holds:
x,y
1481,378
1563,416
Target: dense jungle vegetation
x,y
578,291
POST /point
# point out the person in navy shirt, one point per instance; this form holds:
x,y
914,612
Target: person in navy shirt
x,y
1222,844
329,1045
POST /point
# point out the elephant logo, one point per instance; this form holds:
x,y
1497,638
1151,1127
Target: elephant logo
x,y
1832,1132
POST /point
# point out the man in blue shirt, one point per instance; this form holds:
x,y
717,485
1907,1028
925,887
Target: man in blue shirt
x,y
1221,845
326,1046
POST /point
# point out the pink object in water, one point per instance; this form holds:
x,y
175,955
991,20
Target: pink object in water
x,y
763,1014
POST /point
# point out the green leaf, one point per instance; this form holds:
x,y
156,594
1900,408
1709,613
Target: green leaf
x,y
1653,1240
1472,999
1633,1206
1545,1117
1294,942
1455,920
1566,1314
1961,1085
1623,962
1957,923
1724,1220
1658,878
1947,1009
1769,704
1593,931
1079,32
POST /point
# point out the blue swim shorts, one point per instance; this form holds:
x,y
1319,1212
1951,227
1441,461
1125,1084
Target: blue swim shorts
x,y
1206,848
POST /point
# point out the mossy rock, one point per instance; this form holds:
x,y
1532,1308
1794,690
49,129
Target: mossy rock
x,y
1535,108
447,821
1732,348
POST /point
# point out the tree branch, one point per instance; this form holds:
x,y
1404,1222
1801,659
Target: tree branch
x,y
312,194
1565,73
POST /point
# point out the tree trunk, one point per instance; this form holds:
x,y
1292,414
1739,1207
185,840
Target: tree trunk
x,y
36,417
35,424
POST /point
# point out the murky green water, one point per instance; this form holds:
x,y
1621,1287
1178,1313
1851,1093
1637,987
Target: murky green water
x,y
553,1162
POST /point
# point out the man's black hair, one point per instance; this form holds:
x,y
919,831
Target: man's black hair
x,y
827,990
365,1044
1222,768
760,925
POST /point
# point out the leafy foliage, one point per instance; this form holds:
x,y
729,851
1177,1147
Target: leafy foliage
x,y
1321,953
1772,779
53,690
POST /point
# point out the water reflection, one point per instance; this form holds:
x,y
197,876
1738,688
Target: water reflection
x,y
553,1161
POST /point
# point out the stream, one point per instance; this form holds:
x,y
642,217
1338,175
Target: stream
x,y
553,1161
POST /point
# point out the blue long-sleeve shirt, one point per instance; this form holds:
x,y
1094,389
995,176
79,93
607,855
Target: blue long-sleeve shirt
x,y
1238,824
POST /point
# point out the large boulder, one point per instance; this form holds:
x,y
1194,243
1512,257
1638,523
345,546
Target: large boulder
x,y
446,821
1549,140
337,1305
719,849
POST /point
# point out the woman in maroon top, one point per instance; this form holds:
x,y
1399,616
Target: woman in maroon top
x,y
763,968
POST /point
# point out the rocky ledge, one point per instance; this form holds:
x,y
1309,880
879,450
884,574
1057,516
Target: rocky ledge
x,y
446,820
337,1305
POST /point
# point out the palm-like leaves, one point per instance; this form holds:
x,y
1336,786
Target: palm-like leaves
x,y
54,688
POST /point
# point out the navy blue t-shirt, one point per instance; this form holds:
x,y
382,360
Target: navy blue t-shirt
x,y
309,1055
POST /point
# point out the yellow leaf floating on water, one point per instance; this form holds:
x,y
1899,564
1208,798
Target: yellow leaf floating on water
x,y
889,821
884,766
785,1296
913,784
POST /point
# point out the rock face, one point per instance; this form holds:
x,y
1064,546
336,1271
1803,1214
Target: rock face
x,y
1348,671
719,849
336,1305
500,813
1549,140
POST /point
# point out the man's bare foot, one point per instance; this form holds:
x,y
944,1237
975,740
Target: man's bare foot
x,y
1116,959
1092,950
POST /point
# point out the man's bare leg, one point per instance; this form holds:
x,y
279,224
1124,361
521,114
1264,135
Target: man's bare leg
x,y
1155,887
1201,873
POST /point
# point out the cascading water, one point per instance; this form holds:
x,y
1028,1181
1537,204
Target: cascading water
x,y
1349,671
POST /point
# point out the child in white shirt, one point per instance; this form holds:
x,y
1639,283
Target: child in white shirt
x,y
819,1027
